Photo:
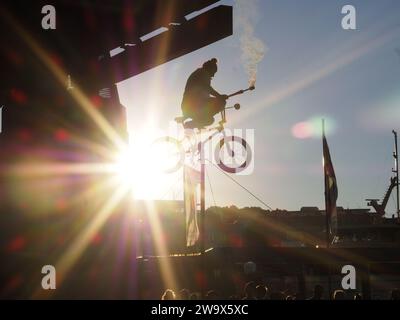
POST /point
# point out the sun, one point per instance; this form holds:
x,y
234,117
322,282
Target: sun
x,y
143,166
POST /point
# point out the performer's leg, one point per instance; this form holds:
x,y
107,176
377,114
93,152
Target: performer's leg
x,y
214,106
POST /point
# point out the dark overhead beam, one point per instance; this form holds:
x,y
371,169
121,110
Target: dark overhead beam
x,y
205,29
97,26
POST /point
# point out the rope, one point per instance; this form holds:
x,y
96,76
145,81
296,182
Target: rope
x,y
240,185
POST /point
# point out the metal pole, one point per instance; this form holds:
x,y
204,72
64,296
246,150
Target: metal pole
x,y
202,199
202,216
396,170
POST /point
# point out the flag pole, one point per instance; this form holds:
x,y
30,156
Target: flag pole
x,y
396,171
326,213
326,188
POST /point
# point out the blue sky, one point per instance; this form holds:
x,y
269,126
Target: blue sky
x,y
312,69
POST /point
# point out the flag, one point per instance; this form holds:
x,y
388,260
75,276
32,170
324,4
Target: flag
x,y
191,183
331,192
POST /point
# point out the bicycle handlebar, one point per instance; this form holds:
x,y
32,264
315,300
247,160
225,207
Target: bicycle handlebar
x,y
241,91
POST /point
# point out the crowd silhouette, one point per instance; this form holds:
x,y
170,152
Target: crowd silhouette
x,y
254,291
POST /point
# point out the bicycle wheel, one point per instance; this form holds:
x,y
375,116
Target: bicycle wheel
x,y
171,152
233,147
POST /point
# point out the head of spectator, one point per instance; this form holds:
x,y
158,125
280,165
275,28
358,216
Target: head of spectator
x,y
194,296
318,292
250,291
357,296
339,295
212,295
168,295
261,292
183,295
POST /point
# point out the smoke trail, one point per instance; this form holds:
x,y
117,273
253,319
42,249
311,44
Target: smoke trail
x,y
253,49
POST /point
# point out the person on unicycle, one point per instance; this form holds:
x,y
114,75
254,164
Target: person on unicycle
x,y
200,101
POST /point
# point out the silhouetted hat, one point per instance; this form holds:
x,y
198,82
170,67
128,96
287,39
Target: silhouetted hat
x,y
211,64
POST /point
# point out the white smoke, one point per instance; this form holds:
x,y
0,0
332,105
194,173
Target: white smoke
x,y
253,49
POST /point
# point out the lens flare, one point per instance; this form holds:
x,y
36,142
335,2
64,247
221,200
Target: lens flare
x,y
302,130
312,128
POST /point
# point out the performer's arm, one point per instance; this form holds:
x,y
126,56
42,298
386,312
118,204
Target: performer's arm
x,y
214,93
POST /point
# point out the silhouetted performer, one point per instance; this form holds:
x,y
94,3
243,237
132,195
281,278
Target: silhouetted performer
x,y
197,103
